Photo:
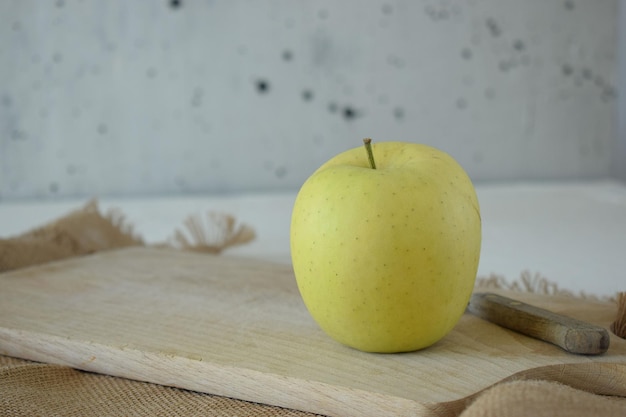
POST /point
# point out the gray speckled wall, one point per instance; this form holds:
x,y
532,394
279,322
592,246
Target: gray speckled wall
x,y
175,96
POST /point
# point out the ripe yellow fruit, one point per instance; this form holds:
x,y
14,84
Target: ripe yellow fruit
x,y
385,259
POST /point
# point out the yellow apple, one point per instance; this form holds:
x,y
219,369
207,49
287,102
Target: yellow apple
x,y
385,253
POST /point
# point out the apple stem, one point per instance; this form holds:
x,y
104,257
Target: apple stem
x,y
370,154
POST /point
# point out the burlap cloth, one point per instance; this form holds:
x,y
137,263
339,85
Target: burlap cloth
x,y
36,389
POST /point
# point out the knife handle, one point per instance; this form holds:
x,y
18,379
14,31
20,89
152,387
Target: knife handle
x,y
574,336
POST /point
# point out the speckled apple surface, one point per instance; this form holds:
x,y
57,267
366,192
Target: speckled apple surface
x,y
386,258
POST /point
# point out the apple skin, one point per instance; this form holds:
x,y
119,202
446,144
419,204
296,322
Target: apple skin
x,y
385,259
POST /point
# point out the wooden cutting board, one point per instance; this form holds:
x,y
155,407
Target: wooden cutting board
x,y
238,328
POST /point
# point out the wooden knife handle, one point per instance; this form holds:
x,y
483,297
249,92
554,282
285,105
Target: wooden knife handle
x,y
573,335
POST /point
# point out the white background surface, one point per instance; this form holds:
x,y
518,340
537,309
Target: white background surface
x,y
572,234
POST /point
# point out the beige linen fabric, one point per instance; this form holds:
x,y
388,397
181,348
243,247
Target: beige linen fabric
x,y
34,389
543,399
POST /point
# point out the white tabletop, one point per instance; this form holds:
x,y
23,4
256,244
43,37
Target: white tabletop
x,y
574,234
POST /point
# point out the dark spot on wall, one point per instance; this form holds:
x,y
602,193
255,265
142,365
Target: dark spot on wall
x,y
493,27
151,72
519,45
466,53
287,55
569,5
70,169
398,113
461,103
322,48
587,74
280,172
176,4
53,187
102,129
17,134
57,58
490,93
436,14
323,14
262,86
609,93
16,26
387,8
307,95
197,97
505,66
332,107
567,70
60,3
395,61
349,113
6,101
430,11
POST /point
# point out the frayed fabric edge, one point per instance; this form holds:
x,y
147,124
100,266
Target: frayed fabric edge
x,y
534,283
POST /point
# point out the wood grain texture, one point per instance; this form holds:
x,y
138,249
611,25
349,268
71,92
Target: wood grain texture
x,y
237,327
